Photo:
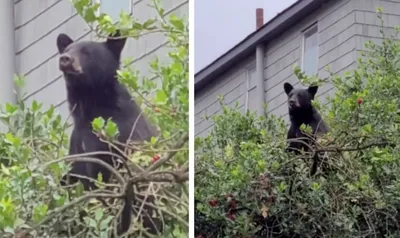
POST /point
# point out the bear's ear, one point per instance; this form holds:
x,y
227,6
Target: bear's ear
x,y
63,41
116,45
313,90
288,88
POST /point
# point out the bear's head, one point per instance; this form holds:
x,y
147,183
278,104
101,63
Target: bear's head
x,y
89,60
299,99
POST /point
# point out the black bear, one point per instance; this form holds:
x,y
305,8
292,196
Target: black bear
x,y
301,112
90,70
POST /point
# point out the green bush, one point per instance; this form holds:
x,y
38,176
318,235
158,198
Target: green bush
x,y
33,150
272,192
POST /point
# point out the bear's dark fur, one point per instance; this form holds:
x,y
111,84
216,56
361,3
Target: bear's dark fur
x,y
301,112
93,90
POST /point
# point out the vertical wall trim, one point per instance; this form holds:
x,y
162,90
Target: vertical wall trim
x,y
260,79
7,52
260,65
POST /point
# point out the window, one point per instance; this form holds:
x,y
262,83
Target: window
x,y
310,50
114,7
251,92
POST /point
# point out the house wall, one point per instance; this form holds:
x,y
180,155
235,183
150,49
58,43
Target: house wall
x,y
232,85
343,28
37,25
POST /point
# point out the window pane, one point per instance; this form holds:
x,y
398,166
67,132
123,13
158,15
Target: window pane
x,y
114,7
252,78
310,57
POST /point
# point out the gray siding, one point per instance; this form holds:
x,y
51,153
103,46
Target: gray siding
x,y
38,22
232,85
343,28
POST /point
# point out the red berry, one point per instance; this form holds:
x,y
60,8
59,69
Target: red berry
x,y
233,204
359,101
213,203
155,158
231,216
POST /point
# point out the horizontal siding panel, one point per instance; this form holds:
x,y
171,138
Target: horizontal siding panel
x,y
283,63
142,64
213,97
142,11
336,28
253,97
285,50
332,12
284,74
225,83
339,64
389,7
361,40
35,30
147,43
342,49
338,39
26,11
53,94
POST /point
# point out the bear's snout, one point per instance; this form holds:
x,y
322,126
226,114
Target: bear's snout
x,y
292,104
68,64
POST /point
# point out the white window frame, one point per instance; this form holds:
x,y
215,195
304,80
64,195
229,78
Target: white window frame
x,y
249,70
129,12
305,34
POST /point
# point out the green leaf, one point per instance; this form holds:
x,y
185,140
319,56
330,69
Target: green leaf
x,y
111,129
90,222
98,124
5,170
161,96
98,214
19,81
11,109
147,24
104,224
153,140
35,106
177,23
9,230
39,212
11,139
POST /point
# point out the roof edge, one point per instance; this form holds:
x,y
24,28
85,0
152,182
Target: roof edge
x,y
281,22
